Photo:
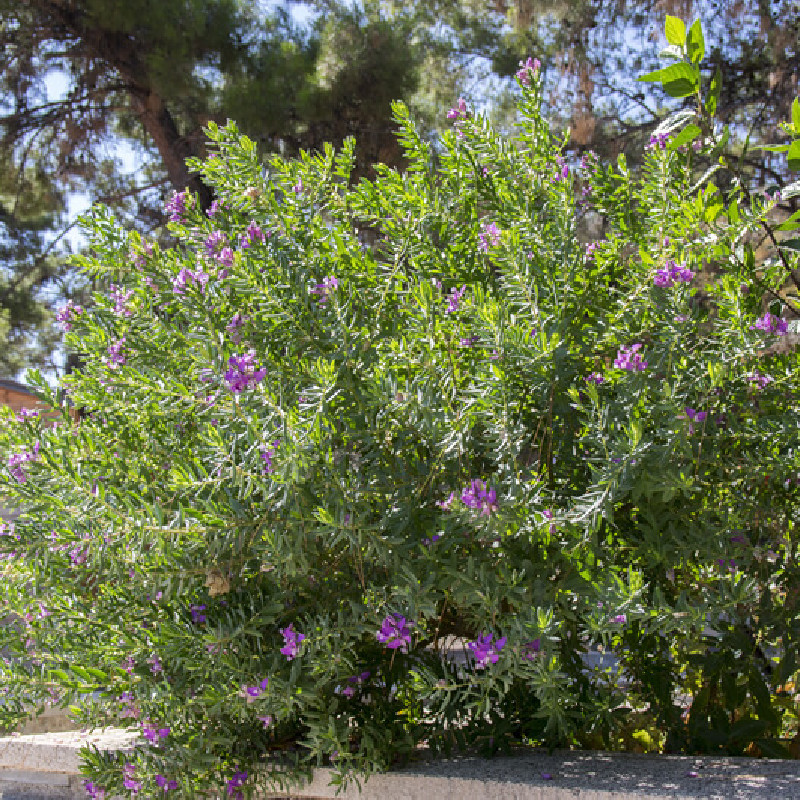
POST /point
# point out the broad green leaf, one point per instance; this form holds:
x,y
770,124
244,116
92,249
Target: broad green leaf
x,y
675,30
695,43
688,134
678,80
794,155
796,115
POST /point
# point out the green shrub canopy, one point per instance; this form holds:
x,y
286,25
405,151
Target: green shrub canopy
x,y
364,467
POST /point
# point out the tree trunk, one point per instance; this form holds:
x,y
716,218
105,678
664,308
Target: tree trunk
x,y
125,55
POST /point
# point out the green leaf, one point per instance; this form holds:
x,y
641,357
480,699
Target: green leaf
x,y
790,224
675,30
688,134
678,80
790,190
717,151
672,51
796,115
695,43
794,155
713,92
791,244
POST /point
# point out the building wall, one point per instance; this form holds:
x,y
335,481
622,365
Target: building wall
x,y
17,399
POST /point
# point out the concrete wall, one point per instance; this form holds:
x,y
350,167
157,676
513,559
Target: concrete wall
x,y
45,767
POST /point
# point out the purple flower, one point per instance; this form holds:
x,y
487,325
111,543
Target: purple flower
x,y
176,206
395,633
672,273
266,720
532,648
658,141
129,707
459,110
251,235
235,782
590,248
139,259
67,314
197,615
298,187
528,70
629,358
237,321
769,323
759,380
225,257
620,619
468,341
155,664
595,377
292,640
115,357
454,300
154,735
478,497
695,416
267,454
185,277
243,372
166,785
254,692
94,791
128,780
121,297
486,651
325,289
216,205
15,462
355,680
489,237
446,504
214,242
562,173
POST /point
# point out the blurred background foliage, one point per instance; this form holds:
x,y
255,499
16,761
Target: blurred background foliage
x,y
103,100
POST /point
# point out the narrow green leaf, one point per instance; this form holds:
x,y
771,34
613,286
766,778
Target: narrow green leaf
x,y
675,30
713,92
796,114
791,244
688,134
696,43
791,223
672,51
790,190
717,151
794,155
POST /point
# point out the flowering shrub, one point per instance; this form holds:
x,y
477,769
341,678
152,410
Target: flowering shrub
x,y
301,522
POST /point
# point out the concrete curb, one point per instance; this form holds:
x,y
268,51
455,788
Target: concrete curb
x,y
45,767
